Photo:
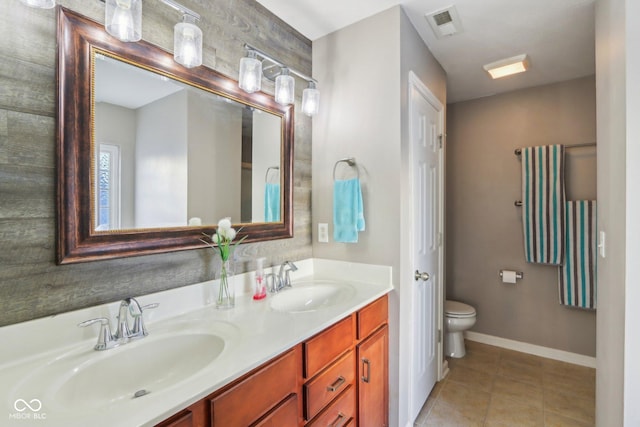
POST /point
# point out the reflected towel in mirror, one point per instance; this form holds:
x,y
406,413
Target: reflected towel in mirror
x,y
271,202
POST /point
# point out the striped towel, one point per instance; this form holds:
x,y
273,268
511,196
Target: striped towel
x,y
543,203
578,274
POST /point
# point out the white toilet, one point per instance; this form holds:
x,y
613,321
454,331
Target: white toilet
x,y
458,318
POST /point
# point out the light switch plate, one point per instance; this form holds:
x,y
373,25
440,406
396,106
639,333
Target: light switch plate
x,y
602,248
323,232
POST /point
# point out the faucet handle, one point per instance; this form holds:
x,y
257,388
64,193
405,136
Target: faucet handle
x,y
274,282
139,330
105,338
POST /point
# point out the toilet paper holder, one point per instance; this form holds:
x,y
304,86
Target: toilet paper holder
x,y
519,274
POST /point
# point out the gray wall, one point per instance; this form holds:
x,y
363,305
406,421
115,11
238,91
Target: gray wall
x,y
31,284
363,71
484,228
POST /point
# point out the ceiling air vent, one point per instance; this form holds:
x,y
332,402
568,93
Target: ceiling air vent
x,y
444,22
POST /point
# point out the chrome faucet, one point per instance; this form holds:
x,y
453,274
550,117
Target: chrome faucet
x,y
124,334
282,280
130,306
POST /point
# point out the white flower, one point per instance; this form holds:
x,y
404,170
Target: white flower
x,y
231,234
223,225
215,239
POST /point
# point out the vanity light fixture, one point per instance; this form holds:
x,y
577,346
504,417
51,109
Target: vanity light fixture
x,y
187,42
42,4
507,67
123,19
310,100
285,88
250,77
252,70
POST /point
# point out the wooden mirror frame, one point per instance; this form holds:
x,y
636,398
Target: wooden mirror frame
x,y
77,241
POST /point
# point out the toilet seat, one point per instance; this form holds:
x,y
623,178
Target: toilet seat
x,y
458,310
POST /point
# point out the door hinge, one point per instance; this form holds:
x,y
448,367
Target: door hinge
x,y
439,335
440,139
439,238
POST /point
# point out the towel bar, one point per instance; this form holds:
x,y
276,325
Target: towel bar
x,y
351,161
518,151
270,168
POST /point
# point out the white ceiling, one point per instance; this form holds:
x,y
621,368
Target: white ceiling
x,y
558,36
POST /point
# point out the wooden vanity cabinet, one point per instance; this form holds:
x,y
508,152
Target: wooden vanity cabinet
x,y
339,377
373,373
260,394
196,415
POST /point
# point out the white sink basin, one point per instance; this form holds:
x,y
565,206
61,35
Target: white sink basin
x,y
93,379
311,296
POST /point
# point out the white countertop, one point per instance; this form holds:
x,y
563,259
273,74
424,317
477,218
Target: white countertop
x,y
253,332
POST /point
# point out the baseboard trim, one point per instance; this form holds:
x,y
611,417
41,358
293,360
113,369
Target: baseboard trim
x,y
445,370
537,350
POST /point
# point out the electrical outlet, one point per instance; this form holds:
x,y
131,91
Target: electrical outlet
x,y
323,232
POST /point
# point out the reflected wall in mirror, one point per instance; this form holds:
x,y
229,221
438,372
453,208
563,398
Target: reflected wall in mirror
x,y
152,154
161,145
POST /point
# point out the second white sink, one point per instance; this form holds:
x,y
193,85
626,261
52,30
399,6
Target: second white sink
x,y
311,296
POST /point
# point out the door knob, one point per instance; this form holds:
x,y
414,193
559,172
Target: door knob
x,y
422,276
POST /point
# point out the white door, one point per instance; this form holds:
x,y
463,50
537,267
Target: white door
x,y
425,154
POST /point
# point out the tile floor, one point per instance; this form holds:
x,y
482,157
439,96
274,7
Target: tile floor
x,y
492,386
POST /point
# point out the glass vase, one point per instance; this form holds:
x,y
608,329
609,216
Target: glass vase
x,y
226,290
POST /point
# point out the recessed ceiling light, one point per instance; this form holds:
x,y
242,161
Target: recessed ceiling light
x,y
507,67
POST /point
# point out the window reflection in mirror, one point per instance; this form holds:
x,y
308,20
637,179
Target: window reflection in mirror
x,y
167,154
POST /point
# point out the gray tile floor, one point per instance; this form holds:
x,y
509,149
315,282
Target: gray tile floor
x,y
492,386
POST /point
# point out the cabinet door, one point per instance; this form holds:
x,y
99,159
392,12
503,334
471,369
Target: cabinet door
x,y
286,414
247,401
373,373
195,415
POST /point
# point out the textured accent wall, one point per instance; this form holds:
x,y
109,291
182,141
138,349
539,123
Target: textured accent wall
x,y
484,228
31,284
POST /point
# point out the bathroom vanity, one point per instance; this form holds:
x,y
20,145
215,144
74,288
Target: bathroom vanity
x,y
338,377
315,354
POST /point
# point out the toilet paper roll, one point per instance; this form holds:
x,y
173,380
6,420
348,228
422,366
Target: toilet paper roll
x,y
508,276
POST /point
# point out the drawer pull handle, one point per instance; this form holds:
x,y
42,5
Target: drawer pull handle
x,y
366,367
337,383
341,421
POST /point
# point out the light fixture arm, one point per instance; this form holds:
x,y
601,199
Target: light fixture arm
x,y
180,8
303,76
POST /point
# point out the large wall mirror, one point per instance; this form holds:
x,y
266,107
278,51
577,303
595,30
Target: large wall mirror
x,y
152,154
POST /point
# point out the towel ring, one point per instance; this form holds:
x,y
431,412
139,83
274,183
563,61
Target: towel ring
x,y
351,161
266,175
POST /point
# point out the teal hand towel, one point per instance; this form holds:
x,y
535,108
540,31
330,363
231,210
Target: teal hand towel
x,y
348,212
271,202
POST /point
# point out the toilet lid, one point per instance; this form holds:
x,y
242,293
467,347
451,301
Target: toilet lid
x,y
456,308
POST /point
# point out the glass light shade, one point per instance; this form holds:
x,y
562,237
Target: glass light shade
x,y
310,100
123,19
187,43
285,86
250,78
43,4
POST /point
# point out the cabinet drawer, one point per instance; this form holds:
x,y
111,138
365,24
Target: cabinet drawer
x,y
320,350
247,401
181,419
329,384
372,317
339,413
286,414
196,415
